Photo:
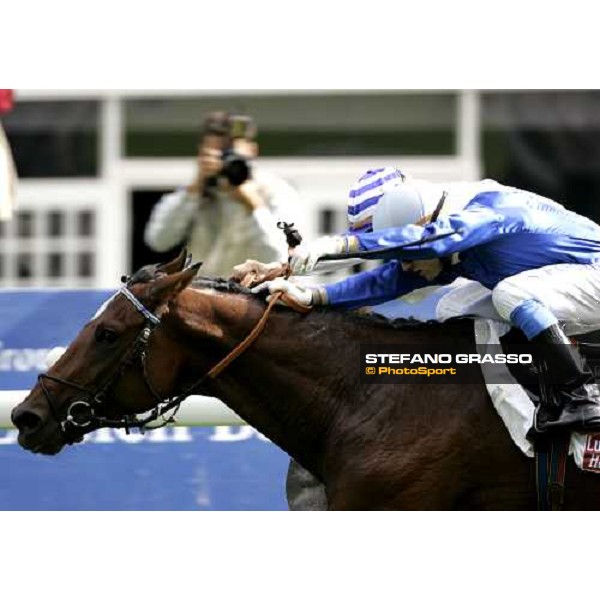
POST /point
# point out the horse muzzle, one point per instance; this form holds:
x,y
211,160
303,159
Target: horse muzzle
x,y
37,433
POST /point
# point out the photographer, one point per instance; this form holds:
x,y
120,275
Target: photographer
x,y
230,211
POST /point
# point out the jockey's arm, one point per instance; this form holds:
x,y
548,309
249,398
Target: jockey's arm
x,y
480,222
473,226
369,288
372,287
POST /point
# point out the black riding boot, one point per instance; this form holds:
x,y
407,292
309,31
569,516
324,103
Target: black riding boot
x,y
572,404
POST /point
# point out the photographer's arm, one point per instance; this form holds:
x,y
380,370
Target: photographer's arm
x,y
270,199
250,195
171,220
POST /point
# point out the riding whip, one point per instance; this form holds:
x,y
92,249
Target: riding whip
x,y
387,252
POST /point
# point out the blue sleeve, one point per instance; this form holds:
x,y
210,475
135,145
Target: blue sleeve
x,y
477,224
374,287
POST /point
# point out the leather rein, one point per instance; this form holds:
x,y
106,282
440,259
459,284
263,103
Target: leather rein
x,y
82,414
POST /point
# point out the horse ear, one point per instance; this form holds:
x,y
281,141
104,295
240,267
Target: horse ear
x,y
168,287
176,265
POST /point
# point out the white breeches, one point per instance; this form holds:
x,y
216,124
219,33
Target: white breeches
x,y
570,291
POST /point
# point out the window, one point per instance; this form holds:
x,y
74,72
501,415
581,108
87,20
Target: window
x,y
61,252
303,124
85,265
24,265
25,224
56,224
332,221
55,262
85,223
54,139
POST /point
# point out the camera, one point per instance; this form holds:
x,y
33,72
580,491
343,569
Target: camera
x,y
236,168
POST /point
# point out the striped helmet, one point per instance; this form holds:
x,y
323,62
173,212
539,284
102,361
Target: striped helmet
x,y
365,195
382,198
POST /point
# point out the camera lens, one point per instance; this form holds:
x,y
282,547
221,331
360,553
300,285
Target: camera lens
x,y
235,168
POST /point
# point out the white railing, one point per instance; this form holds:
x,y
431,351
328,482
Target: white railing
x,y
195,411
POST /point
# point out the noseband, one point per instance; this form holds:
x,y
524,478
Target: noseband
x,y
82,414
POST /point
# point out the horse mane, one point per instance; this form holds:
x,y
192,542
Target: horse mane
x,y
226,286
220,284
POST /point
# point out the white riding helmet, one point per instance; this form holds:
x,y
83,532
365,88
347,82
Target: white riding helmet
x,y
399,206
383,198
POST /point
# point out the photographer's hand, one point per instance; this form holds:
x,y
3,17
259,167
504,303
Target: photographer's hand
x,y
210,164
248,194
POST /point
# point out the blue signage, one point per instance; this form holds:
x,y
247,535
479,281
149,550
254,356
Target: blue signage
x,y
182,468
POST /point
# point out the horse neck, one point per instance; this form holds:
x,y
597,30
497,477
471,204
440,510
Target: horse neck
x,y
287,385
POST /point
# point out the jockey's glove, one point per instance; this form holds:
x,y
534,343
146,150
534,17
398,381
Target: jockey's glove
x,y
305,256
302,295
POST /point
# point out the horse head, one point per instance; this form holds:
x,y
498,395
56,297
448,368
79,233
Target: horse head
x,y
103,376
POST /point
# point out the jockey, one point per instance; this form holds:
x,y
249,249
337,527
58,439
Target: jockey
x,y
541,261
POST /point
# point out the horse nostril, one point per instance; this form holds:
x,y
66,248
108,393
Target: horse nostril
x,y
26,420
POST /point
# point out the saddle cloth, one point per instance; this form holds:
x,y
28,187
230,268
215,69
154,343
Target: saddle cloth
x,y
512,402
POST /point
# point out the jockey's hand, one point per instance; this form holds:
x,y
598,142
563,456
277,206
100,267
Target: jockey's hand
x,y
305,257
298,293
253,272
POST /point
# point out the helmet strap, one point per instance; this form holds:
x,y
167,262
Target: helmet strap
x,y
433,217
438,208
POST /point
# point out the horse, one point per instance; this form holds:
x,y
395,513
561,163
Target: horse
x,y
374,447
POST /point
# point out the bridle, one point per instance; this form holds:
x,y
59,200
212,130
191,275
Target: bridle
x,y
83,414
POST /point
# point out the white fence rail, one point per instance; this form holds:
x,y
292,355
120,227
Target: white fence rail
x,y
195,411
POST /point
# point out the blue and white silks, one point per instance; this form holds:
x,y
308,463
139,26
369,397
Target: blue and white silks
x,y
499,235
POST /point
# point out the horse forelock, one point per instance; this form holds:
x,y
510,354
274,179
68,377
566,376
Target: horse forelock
x,y
144,275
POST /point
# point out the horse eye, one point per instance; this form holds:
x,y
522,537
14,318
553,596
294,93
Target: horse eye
x,y
106,335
